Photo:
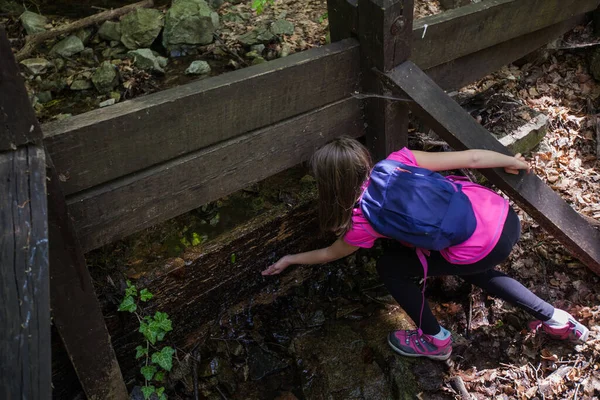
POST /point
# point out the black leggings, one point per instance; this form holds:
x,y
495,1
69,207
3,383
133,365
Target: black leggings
x,y
399,265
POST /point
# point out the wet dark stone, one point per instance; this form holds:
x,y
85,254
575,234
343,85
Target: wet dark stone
x,y
263,363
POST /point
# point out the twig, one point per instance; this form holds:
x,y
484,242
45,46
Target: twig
x,y
576,391
458,385
195,369
226,49
221,393
33,41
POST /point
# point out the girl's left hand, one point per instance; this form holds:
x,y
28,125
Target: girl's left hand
x,y
278,267
519,163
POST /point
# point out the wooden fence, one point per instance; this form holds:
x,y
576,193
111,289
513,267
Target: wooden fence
x,y
143,161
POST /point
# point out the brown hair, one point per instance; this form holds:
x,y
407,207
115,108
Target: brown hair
x,y
340,169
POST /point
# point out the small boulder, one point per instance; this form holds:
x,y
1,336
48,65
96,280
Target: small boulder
x,y
33,23
110,31
260,35
36,66
145,59
44,97
141,28
84,34
68,47
105,77
189,22
282,27
198,68
285,50
81,84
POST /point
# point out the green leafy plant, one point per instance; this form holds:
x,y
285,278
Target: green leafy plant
x,y
154,328
258,5
323,17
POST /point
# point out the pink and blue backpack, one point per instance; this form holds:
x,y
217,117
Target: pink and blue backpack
x,y
417,206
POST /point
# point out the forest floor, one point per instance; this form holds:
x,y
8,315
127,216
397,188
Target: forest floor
x,y
494,354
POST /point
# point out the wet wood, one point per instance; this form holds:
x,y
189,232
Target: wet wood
x,y
384,31
75,308
25,368
457,73
441,38
461,131
108,143
16,115
117,209
33,41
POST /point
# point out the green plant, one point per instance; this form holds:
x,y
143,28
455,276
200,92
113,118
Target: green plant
x,y
154,330
323,17
258,5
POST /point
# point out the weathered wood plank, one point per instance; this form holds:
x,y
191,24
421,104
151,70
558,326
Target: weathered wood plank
x,y
119,208
25,369
14,102
457,73
108,143
343,18
453,34
384,31
461,131
75,307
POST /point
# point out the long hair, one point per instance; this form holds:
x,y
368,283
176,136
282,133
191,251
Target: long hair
x,y
340,168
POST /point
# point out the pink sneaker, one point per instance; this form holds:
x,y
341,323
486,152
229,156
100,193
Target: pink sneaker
x,y
413,344
573,330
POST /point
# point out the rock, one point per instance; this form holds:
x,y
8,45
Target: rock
x,y
88,54
595,64
59,64
140,28
285,50
145,59
84,35
36,66
11,7
198,68
44,97
260,35
114,52
258,60
333,365
282,27
107,103
215,4
262,363
110,31
81,84
105,77
222,370
68,47
252,54
258,48
33,23
189,22
527,137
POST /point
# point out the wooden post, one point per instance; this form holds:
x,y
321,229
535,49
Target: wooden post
x,y
343,19
25,367
385,32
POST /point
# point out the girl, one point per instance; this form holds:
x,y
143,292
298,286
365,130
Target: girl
x,y
342,169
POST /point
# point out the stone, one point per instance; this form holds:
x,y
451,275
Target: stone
x,y
263,363
107,103
285,50
11,7
282,27
81,84
258,60
252,54
198,68
44,97
527,137
258,48
145,59
140,28
110,31
33,23
595,64
84,35
68,47
215,4
36,66
189,22
259,35
105,77
114,52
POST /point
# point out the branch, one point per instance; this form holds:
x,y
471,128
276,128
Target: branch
x,y
33,41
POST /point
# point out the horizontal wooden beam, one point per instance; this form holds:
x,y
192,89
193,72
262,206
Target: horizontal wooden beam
x,y
461,131
457,73
119,208
108,143
441,38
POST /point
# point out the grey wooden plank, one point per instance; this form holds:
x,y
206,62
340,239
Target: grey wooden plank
x,y
25,368
111,142
122,207
445,37
461,131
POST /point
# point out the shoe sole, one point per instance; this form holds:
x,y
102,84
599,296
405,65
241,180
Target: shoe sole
x,y
433,357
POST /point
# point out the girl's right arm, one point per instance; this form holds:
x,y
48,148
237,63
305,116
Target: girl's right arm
x,y
337,250
443,161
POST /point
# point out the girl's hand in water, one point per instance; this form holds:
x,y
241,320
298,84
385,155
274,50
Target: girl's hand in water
x,y
519,163
278,267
